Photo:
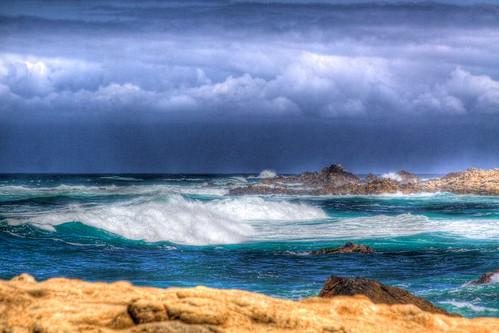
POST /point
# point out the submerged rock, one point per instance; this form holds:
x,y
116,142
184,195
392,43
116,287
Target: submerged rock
x,y
376,292
347,248
490,277
64,305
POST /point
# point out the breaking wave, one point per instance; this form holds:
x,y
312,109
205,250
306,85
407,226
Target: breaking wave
x,y
267,174
179,220
392,175
103,190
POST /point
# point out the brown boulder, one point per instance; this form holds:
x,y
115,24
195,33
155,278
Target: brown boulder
x,y
376,292
347,248
486,278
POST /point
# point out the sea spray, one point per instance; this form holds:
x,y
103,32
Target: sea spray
x,y
179,220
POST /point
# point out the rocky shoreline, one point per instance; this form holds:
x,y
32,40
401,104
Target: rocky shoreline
x,y
64,305
335,180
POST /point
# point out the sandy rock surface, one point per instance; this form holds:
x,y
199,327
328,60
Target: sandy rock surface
x,y
64,305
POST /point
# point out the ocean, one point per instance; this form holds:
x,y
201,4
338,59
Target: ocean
x,y
184,231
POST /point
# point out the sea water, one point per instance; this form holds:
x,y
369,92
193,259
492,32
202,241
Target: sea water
x,y
184,230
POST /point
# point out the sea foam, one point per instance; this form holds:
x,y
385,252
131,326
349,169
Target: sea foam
x,y
267,174
179,220
378,226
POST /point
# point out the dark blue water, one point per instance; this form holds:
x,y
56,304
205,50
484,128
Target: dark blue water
x,y
182,230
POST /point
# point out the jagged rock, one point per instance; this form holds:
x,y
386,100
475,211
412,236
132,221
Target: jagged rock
x,y
335,180
347,248
488,278
371,177
376,292
78,306
379,186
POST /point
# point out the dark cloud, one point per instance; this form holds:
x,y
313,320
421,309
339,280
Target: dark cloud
x,y
251,61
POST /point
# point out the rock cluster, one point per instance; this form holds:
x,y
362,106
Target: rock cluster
x,y
335,180
347,248
64,305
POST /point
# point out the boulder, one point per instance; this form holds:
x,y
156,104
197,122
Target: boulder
x,y
489,277
347,248
376,292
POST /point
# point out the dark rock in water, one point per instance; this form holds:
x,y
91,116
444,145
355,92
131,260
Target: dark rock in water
x,y
347,248
376,292
487,278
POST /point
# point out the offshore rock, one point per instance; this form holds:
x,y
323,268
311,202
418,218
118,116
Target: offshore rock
x,y
347,248
64,305
335,180
490,277
376,292
470,181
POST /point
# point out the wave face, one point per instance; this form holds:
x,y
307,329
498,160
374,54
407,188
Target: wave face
x,y
183,230
177,219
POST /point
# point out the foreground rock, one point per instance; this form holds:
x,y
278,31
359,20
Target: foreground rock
x,y
376,292
347,248
63,305
490,277
335,180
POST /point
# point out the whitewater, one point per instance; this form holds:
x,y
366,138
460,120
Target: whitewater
x,y
184,230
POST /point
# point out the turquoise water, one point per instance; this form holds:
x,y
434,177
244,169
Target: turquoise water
x,y
182,230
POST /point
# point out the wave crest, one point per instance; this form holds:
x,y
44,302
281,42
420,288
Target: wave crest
x,y
179,220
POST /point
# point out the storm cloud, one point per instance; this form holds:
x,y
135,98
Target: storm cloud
x,y
336,63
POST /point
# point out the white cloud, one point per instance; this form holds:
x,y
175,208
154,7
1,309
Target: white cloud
x,y
315,84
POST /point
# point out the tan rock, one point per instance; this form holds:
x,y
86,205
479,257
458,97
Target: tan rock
x,y
63,305
470,181
337,181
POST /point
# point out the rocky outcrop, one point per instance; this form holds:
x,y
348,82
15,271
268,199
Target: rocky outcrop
x,y
471,181
335,180
489,277
347,248
376,292
64,305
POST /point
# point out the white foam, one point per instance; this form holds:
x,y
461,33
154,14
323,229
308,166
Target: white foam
x,y
378,226
267,174
468,305
392,175
129,179
179,220
494,278
64,189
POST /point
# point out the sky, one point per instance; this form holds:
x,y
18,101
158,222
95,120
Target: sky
x,y
240,86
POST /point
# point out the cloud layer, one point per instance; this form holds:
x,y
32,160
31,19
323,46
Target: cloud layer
x,y
228,59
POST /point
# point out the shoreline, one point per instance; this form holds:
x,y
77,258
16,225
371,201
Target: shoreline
x,y
69,305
